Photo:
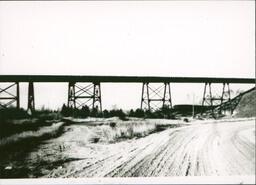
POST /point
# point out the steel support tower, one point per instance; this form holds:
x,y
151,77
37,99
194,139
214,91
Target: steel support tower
x,y
31,98
81,94
10,95
216,102
154,98
225,102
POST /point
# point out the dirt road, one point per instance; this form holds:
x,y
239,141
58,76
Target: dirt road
x,y
225,148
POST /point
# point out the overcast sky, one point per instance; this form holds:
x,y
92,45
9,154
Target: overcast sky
x,y
167,38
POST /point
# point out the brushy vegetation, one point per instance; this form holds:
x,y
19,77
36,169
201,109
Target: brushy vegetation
x,y
14,121
116,130
20,133
128,130
13,113
43,132
18,146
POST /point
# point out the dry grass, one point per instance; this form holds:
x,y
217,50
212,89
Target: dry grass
x,y
114,131
16,148
43,131
127,130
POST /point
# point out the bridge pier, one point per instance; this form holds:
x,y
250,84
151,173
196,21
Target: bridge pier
x,y
8,97
80,95
225,98
216,102
154,98
31,98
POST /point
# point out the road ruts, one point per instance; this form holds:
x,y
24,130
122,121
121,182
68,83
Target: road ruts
x,y
207,149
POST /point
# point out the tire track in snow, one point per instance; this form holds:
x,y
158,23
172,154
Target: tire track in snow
x,y
202,149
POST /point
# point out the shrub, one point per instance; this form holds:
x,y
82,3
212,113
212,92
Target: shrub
x,y
185,120
131,113
160,127
13,113
95,139
139,113
112,124
105,114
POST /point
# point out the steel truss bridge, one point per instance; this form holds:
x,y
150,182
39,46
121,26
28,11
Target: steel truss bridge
x,y
86,90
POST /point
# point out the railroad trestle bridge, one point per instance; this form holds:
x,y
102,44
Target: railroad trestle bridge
x,y
86,90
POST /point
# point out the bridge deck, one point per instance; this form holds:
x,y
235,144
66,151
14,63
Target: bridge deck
x,y
121,79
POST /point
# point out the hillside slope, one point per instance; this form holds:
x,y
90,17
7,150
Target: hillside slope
x,y
247,105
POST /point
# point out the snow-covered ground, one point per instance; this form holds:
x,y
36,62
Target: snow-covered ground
x,y
203,148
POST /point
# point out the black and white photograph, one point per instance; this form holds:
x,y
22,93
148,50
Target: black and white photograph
x,y
127,92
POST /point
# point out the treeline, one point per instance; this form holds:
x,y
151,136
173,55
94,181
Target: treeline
x,y
85,111
164,112
14,113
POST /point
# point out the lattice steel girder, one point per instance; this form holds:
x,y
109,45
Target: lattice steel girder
x,y
161,96
209,100
83,94
9,95
121,79
31,98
